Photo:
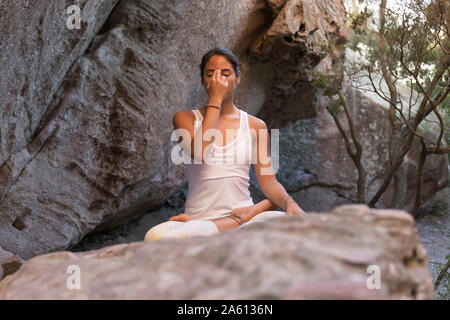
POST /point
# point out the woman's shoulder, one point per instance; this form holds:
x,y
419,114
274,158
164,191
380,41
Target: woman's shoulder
x,y
255,122
181,118
185,112
255,125
189,114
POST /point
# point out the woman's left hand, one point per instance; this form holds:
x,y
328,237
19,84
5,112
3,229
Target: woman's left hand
x,y
182,217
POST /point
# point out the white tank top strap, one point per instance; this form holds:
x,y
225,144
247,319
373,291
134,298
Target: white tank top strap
x,y
198,119
198,115
245,122
248,129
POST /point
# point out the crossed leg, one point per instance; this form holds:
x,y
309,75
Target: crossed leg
x,y
178,229
264,216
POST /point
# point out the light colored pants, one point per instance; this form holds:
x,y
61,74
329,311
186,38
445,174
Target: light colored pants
x,y
178,229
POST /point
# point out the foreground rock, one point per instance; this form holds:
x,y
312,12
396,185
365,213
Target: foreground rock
x,y
318,256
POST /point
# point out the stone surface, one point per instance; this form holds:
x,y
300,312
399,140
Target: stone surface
x,y
36,51
132,231
317,256
294,44
9,263
433,224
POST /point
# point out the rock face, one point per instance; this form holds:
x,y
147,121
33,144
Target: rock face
x,y
9,263
36,51
293,45
333,255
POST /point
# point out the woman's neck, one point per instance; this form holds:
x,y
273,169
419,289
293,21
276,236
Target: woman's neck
x,y
228,108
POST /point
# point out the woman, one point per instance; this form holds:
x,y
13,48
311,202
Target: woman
x,y
218,197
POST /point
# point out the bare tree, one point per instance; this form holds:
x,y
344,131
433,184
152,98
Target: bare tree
x,y
411,46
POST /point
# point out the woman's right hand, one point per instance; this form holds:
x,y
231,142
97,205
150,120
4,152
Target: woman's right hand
x,y
217,87
182,217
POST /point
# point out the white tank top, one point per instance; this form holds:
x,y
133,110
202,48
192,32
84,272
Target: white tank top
x,y
218,187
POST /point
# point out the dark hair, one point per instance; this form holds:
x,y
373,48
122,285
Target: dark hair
x,y
230,56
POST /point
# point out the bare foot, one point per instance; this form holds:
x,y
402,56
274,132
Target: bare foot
x,y
182,217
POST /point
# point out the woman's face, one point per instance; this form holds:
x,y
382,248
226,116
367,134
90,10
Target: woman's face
x,y
227,70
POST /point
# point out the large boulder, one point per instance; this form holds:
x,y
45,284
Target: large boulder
x,y
337,255
36,51
294,43
101,153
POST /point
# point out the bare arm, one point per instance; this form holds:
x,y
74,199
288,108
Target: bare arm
x,y
210,121
198,147
265,175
